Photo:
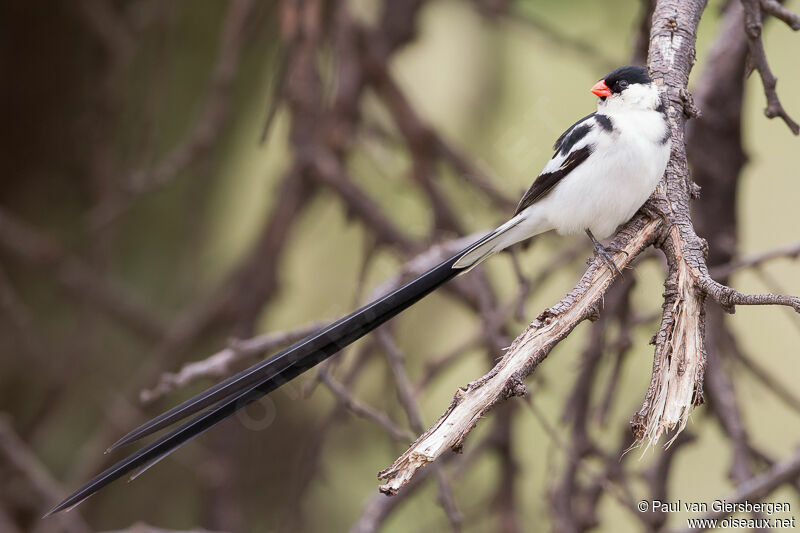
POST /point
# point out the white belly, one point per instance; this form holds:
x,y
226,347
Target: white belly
x,y
608,188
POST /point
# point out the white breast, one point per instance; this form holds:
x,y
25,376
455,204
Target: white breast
x,y
615,181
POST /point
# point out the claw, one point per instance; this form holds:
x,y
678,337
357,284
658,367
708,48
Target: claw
x,y
608,259
615,250
606,254
652,212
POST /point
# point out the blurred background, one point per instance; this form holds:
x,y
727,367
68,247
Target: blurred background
x,y
179,174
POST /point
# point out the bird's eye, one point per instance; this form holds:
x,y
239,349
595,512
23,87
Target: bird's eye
x,y
622,84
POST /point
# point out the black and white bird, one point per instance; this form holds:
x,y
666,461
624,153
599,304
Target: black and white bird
x,y
604,169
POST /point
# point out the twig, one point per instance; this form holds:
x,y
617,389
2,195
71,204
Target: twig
x,y
207,128
790,251
553,35
222,363
19,458
78,278
379,507
527,351
775,386
406,396
363,410
774,8
729,298
758,61
757,487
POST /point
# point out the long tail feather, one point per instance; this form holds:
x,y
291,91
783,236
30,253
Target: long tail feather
x,y
246,387
493,243
222,390
157,450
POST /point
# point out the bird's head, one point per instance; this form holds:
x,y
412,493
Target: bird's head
x,y
626,88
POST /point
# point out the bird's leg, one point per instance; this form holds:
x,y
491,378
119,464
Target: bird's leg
x,y
605,254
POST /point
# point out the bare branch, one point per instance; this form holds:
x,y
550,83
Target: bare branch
x,y
17,457
222,363
729,298
553,35
679,360
78,278
758,61
527,351
790,251
758,487
379,507
207,128
773,385
406,396
774,8
363,410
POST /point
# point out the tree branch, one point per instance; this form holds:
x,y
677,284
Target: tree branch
x,y
528,350
774,8
759,486
728,297
758,61
207,128
222,363
790,251
363,410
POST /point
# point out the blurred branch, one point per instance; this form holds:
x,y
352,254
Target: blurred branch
x,y
405,394
365,411
771,383
774,8
208,126
222,363
658,478
757,487
109,26
642,42
573,506
16,459
329,171
607,483
789,251
141,527
506,10
758,61
82,282
425,142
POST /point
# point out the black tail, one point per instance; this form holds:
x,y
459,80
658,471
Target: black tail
x,y
249,385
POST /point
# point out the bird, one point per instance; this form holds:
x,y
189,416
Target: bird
x,y
604,169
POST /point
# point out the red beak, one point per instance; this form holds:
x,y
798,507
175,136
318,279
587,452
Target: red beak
x,y
601,89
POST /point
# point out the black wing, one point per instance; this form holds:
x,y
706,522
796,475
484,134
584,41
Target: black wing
x,y
546,181
563,146
574,133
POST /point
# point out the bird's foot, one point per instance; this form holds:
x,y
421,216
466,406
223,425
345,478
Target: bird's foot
x,y
606,255
652,211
